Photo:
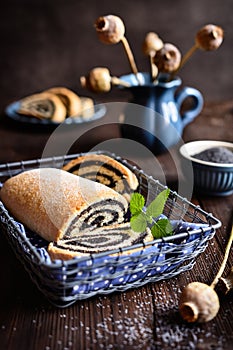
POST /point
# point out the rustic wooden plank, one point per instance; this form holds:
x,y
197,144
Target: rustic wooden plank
x,y
142,318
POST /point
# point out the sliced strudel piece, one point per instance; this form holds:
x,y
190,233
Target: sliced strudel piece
x,y
98,240
105,170
56,204
43,105
70,99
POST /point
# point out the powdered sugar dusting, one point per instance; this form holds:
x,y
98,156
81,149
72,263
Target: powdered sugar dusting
x,y
147,318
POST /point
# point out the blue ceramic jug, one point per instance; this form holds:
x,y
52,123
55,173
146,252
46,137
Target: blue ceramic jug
x,y
154,116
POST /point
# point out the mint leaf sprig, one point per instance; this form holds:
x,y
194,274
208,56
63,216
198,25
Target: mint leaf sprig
x,y
142,217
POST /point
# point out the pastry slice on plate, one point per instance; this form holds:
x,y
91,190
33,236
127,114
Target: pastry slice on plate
x,y
70,99
44,105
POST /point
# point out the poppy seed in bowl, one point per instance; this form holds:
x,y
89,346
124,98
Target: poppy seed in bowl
x,y
212,163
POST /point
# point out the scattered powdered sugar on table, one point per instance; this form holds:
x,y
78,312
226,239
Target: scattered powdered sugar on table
x,y
146,319
133,328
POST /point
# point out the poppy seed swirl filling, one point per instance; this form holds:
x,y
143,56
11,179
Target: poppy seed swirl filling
x,y
105,170
44,106
101,239
102,213
102,173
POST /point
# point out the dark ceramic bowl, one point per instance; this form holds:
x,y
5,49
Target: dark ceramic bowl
x,y
210,178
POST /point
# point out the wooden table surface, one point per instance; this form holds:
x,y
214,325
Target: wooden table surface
x,y
143,318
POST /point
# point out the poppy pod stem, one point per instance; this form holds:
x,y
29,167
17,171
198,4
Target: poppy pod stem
x,y
222,267
117,81
185,58
152,43
153,68
129,55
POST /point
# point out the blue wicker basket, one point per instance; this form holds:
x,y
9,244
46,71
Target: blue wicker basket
x,y
64,282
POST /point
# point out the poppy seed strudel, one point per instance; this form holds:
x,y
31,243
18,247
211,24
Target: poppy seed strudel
x,y
44,105
106,170
54,203
70,99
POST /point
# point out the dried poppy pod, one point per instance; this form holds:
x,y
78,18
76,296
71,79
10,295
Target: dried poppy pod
x,y
209,37
168,58
226,283
110,29
198,303
100,80
152,43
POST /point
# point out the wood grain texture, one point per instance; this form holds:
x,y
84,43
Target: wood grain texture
x,y
142,318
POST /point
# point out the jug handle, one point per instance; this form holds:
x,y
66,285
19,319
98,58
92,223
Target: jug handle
x,y
189,115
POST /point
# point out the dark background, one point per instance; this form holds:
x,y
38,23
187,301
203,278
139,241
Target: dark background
x,y
46,43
